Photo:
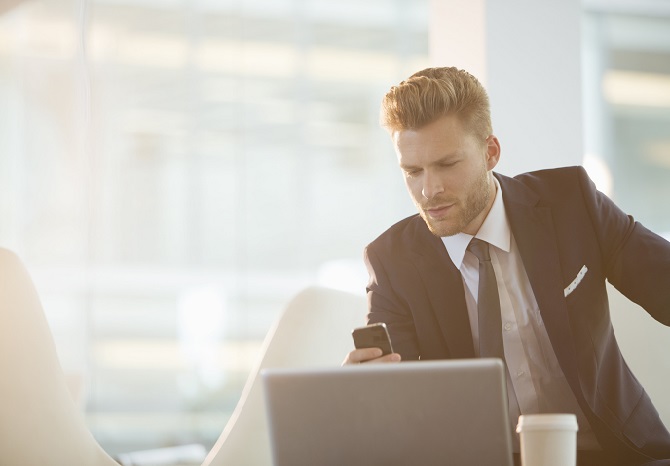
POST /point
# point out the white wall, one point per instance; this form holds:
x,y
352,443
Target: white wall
x,y
527,54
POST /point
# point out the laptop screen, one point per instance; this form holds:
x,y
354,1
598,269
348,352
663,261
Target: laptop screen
x,y
421,412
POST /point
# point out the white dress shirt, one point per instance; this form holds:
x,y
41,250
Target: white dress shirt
x,y
535,381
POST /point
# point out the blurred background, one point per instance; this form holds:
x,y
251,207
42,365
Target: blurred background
x,y
173,171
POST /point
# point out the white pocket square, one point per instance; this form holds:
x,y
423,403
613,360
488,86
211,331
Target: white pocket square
x,y
575,283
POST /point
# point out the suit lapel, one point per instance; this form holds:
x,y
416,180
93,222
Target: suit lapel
x,y
533,229
445,290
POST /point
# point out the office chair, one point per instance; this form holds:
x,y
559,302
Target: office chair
x,y
39,421
313,330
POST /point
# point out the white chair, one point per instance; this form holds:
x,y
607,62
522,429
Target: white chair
x,y
645,344
314,330
39,421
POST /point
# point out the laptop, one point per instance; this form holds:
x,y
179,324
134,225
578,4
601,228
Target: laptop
x,y
412,413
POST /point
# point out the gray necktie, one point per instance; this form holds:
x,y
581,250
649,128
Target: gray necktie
x,y
488,304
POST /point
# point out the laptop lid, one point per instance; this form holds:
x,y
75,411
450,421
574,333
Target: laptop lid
x,y
421,412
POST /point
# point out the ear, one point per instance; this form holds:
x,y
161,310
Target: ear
x,y
492,152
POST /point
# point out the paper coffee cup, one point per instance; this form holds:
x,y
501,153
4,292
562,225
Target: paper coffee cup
x,y
548,439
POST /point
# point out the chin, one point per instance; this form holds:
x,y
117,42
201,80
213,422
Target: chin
x,y
441,228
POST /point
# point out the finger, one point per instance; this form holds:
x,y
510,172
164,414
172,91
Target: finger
x,y
393,357
358,356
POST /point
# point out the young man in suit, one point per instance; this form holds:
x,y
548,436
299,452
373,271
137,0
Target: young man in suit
x,y
537,249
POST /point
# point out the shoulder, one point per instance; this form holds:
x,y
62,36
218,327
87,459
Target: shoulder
x,y
553,178
403,242
549,186
401,233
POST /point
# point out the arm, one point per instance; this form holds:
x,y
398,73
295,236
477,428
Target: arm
x,y
386,306
637,260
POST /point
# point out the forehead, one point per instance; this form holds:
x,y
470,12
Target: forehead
x,y
441,138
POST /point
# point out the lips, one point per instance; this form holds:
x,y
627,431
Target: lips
x,y
438,212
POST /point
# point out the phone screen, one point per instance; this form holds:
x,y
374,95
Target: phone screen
x,y
373,336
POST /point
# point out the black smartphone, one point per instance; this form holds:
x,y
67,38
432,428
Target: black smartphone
x,y
373,336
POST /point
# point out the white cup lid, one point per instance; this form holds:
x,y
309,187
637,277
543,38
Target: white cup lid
x,y
547,422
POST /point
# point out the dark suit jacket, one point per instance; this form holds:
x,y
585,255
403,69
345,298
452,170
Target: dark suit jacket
x,y
560,223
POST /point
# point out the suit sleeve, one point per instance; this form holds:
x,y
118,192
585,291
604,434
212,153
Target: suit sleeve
x,y
637,260
384,305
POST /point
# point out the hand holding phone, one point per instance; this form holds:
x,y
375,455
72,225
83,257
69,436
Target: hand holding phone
x,y
373,336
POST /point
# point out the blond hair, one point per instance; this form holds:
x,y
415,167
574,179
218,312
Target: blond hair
x,y
433,93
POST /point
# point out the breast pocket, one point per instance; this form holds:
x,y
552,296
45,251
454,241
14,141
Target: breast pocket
x,y
576,282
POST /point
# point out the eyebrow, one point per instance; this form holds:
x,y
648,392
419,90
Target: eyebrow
x,y
446,158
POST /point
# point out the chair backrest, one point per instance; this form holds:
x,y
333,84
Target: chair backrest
x,y
39,421
313,331
647,357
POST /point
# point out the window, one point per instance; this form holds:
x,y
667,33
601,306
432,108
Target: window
x,y
627,70
172,172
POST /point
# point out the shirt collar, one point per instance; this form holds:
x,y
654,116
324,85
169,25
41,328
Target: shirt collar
x,y
495,230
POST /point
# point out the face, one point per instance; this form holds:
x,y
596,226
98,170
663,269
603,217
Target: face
x,y
447,172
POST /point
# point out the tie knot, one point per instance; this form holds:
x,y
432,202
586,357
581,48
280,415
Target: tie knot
x,y
480,249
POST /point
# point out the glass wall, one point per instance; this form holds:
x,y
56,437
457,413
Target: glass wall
x,y
172,172
627,103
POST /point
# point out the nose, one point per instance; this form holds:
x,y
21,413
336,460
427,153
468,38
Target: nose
x,y
432,186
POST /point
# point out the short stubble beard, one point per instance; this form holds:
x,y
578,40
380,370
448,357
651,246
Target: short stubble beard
x,y
477,200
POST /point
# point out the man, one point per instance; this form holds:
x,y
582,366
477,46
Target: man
x,y
545,244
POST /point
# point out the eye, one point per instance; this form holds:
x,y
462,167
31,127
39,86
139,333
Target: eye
x,y
412,173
